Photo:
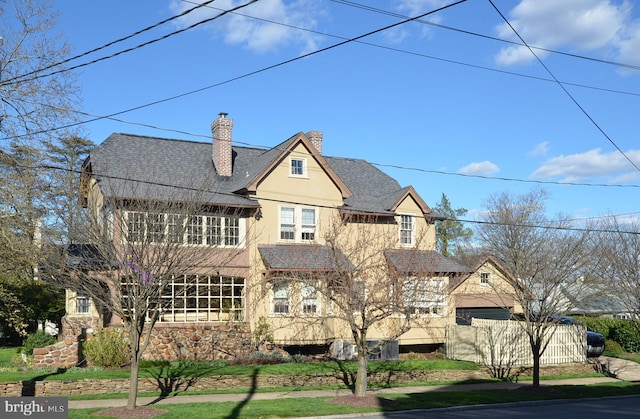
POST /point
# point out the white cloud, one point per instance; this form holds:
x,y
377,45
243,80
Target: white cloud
x,y
583,25
484,168
252,26
540,149
418,7
593,163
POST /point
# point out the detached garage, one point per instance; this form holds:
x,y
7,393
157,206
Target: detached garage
x,y
487,293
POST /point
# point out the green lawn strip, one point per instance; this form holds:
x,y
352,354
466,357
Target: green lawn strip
x,y
205,369
427,400
245,390
7,354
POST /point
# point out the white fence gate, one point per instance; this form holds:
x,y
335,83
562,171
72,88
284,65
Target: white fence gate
x,y
505,343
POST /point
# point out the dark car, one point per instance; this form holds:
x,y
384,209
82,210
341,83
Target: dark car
x,y
595,341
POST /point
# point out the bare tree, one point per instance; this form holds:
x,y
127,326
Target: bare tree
x,y
618,240
145,255
370,287
545,256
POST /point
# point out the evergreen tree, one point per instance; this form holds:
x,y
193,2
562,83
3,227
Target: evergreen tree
x,y
451,233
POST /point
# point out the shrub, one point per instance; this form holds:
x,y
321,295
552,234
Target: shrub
x,y
262,334
612,347
626,334
107,348
39,339
298,358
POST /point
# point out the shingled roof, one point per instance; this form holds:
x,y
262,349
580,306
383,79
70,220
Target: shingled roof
x,y
304,258
168,168
413,261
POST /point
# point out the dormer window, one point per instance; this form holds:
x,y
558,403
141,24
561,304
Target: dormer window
x,y
297,167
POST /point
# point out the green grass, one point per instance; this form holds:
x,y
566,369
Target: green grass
x,y
204,369
7,355
428,400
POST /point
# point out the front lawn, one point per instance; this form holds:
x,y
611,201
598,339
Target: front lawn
x,y
9,373
300,407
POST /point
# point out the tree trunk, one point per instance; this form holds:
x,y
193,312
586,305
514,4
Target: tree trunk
x,y
361,376
133,381
536,366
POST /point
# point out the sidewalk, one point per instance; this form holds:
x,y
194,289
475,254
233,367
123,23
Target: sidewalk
x,y
86,404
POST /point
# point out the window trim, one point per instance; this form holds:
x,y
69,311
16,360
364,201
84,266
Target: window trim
x,y
294,168
312,298
142,226
485,278
402,231
299,229
436,303
86,304
200,298
281,285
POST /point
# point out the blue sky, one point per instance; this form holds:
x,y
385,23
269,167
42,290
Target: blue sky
x,y
448,108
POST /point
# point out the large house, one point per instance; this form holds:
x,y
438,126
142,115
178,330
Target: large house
x,y
274,214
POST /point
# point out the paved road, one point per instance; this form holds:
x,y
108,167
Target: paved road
x,y
609,407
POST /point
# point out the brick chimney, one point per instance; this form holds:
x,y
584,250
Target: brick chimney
x,y
222,154
316,140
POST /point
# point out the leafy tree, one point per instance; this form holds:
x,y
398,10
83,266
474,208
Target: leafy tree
x,y
66,214
37,97
451,233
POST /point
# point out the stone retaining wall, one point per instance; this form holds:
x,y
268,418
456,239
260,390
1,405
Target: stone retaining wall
x,y
169,341
224,382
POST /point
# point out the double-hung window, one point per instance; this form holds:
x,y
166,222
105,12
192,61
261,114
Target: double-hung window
x,y
287,223
407,230
83,304
175,228
485,279
214,230
194,230
297,224
155,227
231,231
135,227
281,298
308,224
309,299
297,167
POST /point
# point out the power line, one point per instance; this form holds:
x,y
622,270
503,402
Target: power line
x,y
139,45
573,99
252,73
112,116
493,38
141,31
385,165
291,202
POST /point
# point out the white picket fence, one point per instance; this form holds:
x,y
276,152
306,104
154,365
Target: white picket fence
x,y
504,343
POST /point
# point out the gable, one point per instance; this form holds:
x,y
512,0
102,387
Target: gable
x,y
317,171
